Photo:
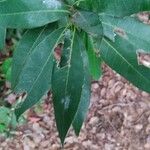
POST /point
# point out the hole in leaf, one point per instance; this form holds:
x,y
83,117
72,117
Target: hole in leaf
x,y
20,99
58,52
144,59
144,17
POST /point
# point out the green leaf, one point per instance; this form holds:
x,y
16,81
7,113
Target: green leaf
x,y
5,117
29,14
2,37
70,2
83,105
94,59
121,56
30,40
6,65
85,96
89,22
6,69
8,75
90,5
35,78
127,28
67,85
118,8
3,128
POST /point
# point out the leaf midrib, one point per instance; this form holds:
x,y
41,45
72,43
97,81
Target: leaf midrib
x,y
36,11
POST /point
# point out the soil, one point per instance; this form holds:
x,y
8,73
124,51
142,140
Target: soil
x,y
118,119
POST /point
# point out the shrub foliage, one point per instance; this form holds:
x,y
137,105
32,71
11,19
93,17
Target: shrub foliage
x,y
64,45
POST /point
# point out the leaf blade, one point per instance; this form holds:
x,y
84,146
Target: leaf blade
x,y
89,22
119,8
85,95
28,15
128,28
121,56
2,37
66,88
35,78
94,59
26,46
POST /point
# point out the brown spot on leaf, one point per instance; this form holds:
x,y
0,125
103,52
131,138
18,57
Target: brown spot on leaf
x,y
120,32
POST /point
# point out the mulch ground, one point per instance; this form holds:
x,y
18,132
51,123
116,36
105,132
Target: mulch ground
x,y
118,119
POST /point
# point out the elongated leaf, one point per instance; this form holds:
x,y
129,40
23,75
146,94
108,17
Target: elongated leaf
x,y
85,95
94,59
29,14
25,48
116,7
2,37
67,85
121,56
89,22
83,105
86,88
35,78
127,28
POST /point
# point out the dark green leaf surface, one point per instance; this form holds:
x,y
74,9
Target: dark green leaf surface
x,y
8,75
85,95
6,68
83,105
130,28
30,40
29,14
2,37
89,22
35,78
67,85
5,117
116,7
2,128
90,5
121,56
94,60
108,30
6,65
136,35
70,2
